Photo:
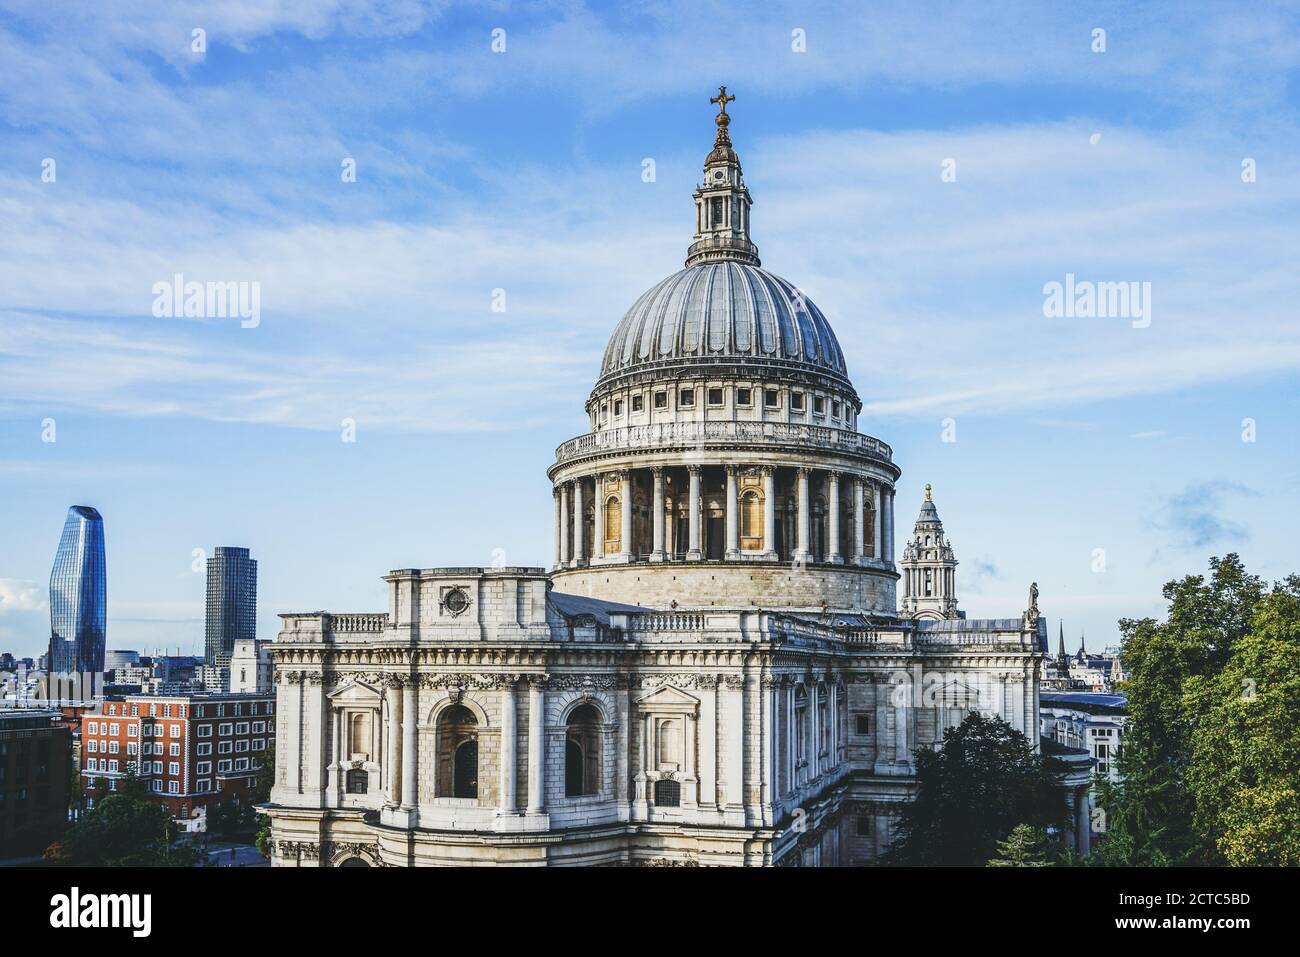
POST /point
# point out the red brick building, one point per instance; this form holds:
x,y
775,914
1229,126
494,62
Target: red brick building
x,y
192,750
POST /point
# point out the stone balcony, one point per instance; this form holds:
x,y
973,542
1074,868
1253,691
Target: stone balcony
x,y
700,435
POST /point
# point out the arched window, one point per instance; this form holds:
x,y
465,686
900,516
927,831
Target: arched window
x,y
465,775
751,520
354,862
582,752
457,767
613,531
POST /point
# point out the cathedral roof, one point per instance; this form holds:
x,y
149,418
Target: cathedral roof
x,y
724,310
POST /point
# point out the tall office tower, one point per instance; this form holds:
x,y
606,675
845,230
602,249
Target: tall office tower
x,y
78,595
232,603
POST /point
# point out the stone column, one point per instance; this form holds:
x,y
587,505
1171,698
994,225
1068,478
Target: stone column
x,y
733,519
804,518
622,742
889,526
902,756
392,697
409,758
859,521
579,514
559,528
625,516
658,555
1083,837
769,512
751,745
833,711
507,768
598,516
877,524
720,726
536,745
792,738
564,523
694,554
814,730
766,696
833,532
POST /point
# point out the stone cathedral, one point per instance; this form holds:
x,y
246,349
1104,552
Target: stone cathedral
x,y
718,668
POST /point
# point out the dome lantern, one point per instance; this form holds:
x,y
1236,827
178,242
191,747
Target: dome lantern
x,y
722,201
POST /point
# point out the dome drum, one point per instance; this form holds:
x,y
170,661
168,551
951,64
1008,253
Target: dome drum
x,y
724,461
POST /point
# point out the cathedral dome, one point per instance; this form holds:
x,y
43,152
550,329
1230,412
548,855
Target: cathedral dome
x,y
724,313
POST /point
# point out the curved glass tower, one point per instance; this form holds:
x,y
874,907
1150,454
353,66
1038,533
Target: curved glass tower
x,y
78,594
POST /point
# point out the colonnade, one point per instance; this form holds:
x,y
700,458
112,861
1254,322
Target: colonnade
x,y
748,498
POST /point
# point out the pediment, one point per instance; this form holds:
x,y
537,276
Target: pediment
x,y
668,698
357,692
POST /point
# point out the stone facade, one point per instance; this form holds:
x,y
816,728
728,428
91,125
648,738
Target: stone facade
x,y
715,670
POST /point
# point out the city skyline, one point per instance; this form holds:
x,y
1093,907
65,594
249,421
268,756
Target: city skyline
x,y
377,296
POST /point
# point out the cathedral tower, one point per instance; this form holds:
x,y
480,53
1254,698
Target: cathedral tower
x,y
929,568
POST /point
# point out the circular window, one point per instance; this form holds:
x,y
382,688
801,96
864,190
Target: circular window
x,y
456,601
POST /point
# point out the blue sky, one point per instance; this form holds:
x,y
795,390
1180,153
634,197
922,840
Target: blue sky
x,y
522,171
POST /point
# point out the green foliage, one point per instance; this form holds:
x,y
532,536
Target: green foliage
x,y
1211,750
1025,846
1244,775
972,791
123,829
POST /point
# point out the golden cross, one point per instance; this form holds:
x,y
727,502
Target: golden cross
x,y
927,491
722,100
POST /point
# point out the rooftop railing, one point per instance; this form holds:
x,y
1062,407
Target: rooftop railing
x,y
685,434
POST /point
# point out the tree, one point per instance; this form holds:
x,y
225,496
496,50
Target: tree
x,y
1024,847
972,791
262,794
1151,817
123,829
1244,774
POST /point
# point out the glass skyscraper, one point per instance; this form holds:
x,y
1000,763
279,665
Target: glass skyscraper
x,y
78,594
232,603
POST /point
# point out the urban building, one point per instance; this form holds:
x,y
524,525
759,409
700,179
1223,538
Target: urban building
x,y
214,677
1090,721
191,750
715,670
35,766
120,659
232,602
251,668
78,595
1083,671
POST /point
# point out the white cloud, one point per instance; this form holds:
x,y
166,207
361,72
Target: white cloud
x,y
18,595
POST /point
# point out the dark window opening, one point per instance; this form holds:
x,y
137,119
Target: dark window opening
x,y
358,782
863,723
668,794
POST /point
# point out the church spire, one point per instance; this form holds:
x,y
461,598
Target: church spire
x,y
722,201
